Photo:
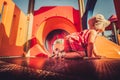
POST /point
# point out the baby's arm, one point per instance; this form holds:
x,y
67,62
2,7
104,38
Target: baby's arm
x,y
91,48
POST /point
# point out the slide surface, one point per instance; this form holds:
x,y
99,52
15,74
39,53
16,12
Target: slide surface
x,y
107,48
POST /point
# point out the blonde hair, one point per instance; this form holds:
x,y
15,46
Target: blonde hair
x,y
98,22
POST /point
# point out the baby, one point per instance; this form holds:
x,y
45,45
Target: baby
x,y
82,44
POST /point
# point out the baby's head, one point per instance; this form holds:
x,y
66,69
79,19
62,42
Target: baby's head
x,y
98,22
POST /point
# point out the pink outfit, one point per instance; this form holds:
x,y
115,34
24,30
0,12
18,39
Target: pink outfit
x,y
76,41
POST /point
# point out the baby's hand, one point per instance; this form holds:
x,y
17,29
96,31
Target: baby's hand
x,y
99,56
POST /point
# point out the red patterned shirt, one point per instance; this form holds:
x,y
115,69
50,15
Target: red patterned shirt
x,y
76,41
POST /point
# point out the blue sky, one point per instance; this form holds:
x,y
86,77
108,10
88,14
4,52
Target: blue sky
x,y
104,7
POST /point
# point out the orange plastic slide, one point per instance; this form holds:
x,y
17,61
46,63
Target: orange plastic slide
x,y
107,48
119,38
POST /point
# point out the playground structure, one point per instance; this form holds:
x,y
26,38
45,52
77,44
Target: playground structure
x,y
35,33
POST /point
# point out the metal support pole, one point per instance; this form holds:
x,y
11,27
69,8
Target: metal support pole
x,y
29,30
115,33
81,7
81,11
